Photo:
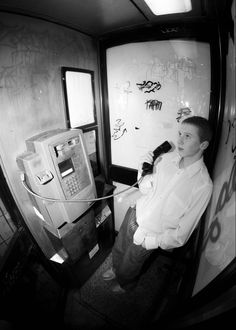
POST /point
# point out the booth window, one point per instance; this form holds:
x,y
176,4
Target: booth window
x,y
78,86
151,86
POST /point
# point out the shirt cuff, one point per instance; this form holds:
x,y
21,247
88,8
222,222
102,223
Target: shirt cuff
x,y
151,242
138,237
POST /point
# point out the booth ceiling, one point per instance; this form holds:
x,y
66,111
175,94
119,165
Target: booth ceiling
x,y
101,17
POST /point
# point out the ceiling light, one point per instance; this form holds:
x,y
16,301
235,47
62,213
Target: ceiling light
x,y
164,7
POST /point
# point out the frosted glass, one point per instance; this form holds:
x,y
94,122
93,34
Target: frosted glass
x,y
152,86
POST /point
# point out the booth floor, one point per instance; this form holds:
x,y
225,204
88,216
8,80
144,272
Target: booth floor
x,y
38,301
96,306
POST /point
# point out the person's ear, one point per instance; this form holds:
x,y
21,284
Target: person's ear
x,y
204,145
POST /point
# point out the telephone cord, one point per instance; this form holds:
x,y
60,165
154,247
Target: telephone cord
x,y
74,200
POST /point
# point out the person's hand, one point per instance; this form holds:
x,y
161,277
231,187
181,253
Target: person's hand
x,y
130,198
147,158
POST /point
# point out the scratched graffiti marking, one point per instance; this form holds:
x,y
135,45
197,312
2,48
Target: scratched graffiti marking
x,y
226,192
119,130
149,86
122,94
32,52
176,71
127,87
153,104
183,112
231,126
183,68
187,65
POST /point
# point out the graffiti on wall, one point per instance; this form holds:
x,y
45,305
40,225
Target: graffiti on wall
x,y
218,249
119,129
31,51
147,83
226,192
150,87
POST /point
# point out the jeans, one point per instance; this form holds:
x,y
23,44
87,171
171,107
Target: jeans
x,y
127,257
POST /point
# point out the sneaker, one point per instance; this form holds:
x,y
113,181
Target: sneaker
x,y
118,289
109,275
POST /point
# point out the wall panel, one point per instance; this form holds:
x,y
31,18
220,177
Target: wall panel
x,y
219,247
32,52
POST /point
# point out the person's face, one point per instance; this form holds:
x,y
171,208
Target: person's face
x,y
188,142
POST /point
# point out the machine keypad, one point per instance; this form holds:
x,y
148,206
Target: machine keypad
x,y
72,184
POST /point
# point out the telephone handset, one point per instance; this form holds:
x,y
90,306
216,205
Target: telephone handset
x,y
163,148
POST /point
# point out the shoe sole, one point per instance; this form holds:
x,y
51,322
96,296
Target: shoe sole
x,y
118,291
109,278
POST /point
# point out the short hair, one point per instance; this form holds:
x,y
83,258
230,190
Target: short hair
x,y
204,128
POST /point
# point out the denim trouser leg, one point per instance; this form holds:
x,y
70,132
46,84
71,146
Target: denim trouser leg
x,y
127,257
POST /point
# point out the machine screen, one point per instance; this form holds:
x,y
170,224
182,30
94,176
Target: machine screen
x,y
66,167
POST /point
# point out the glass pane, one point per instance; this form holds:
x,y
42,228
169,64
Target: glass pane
x,y
151,87
80,98
90,141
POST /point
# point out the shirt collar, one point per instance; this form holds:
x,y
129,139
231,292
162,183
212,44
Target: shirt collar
x,y
191,169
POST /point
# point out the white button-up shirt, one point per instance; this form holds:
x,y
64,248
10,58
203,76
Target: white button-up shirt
x,y
172,202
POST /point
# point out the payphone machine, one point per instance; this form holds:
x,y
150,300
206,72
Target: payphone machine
x,y
59,177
